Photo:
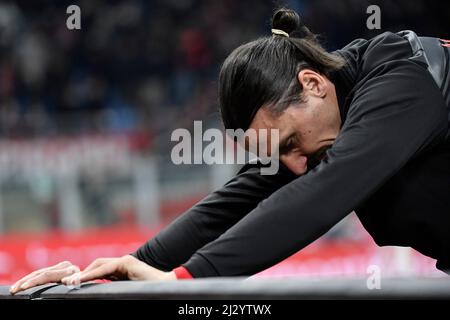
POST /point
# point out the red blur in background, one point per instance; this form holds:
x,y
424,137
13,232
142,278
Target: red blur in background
x,y
23,253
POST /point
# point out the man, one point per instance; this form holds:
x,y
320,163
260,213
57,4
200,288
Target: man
x,y
364,128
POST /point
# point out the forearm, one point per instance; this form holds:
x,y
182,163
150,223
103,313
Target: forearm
x,y
211,217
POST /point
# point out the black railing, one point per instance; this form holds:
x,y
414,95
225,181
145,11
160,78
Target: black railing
x,y
239,288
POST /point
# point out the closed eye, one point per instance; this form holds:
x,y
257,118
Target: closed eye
x,y
288,145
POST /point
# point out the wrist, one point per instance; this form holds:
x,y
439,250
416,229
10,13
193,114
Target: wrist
x,y
168,276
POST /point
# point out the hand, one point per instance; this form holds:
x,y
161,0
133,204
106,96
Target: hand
x,y
124,268
46,275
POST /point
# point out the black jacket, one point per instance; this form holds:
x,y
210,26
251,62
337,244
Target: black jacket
x,y
390,164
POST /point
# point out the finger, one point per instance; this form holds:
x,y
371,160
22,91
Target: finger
x,y
49,276
33,274
98,262
72,281
37,272
58,266
103,271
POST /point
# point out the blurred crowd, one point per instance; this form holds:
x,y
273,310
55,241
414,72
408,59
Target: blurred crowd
x,y
134,65
150,65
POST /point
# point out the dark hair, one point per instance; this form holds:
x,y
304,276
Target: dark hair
x,y
264,71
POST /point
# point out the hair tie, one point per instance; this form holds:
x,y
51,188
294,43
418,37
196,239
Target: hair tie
x,y
280,33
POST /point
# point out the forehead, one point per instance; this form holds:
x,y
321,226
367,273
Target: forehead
x,y
265,119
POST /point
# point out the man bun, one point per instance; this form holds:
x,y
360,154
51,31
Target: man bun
x,y
286,20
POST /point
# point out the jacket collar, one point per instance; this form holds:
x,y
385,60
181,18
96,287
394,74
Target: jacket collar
x,y
344,81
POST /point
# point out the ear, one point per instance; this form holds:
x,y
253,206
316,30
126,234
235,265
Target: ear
x,y
313,83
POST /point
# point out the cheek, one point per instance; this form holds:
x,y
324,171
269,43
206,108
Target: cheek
x,y
306,138
309,130
304,120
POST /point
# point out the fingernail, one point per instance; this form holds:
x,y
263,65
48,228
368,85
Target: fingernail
x,y
12,289
75,281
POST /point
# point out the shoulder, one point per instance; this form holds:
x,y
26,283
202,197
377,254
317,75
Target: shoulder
x,y
363,55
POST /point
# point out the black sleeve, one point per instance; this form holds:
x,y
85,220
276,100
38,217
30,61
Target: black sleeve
x,y
396,112
211,217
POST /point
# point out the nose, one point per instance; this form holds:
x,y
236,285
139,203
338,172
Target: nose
x,y
296,162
